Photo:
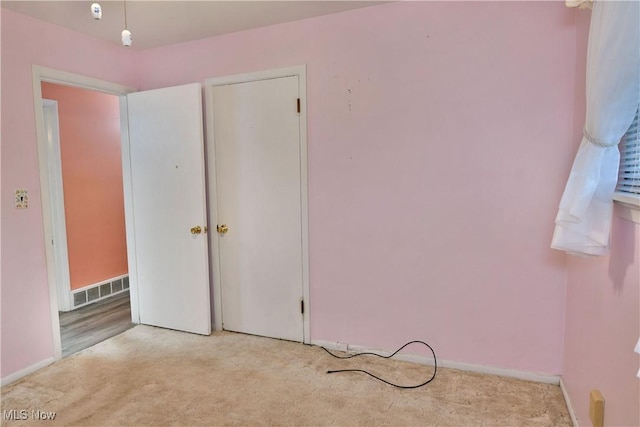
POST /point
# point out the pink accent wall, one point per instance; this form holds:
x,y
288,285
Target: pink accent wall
x,y
440,138
25,319
92,181
439,147
602,328
603,300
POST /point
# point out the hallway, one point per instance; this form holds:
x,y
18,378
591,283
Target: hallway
x,y
86,326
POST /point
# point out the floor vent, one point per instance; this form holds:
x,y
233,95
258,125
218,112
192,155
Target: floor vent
x,y
99,291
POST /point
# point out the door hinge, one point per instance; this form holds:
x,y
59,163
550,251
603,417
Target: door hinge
x,y
298,105
302,306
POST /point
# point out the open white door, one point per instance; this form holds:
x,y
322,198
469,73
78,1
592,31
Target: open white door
x,y
166,148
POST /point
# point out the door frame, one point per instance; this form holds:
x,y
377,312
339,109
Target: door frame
x,y
301,72
44,74
56,199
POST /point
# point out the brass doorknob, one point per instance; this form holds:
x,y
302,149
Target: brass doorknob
x,y
196,230
222,228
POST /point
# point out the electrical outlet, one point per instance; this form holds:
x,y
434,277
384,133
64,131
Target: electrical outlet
x,y
596,408
22,200
340,346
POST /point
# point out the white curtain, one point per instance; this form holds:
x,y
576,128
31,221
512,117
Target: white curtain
x,y
613,93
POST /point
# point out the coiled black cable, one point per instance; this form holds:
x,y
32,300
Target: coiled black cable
x,y
435,365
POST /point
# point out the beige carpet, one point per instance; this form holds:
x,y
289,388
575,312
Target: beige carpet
x,y
152,376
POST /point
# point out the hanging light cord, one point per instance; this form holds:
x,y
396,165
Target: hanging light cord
x,y
435,365
126,27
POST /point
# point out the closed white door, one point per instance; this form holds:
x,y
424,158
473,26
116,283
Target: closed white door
x,y
258,186
168,185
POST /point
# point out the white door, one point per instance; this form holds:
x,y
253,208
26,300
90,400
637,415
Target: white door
x,y
168,187
258,168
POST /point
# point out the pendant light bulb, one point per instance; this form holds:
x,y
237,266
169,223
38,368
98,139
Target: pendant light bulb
x,y
126,38
96,11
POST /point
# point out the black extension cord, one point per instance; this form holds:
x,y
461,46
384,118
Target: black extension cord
x,y
435,365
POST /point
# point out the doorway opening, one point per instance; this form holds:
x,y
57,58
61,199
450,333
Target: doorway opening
x,y
86,196
70,286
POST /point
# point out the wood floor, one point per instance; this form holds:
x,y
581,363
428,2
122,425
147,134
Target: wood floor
x,y
86,326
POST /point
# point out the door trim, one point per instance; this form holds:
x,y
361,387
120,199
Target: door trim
x,y
44,74
59,225
301,72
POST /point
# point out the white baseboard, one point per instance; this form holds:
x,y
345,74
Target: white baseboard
x,y
574,418
26,371
424,360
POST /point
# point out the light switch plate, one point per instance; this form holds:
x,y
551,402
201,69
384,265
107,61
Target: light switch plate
x,y
22,200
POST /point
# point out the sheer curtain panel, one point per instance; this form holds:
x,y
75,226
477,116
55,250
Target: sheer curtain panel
x,y
613,93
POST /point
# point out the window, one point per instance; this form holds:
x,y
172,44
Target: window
x,y
628,189
629,175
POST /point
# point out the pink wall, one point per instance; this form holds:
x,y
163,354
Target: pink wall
x,y
603,299
25,320
92,180
438,151
602,328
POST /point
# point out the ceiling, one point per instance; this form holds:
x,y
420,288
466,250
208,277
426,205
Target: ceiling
x,y
164,22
